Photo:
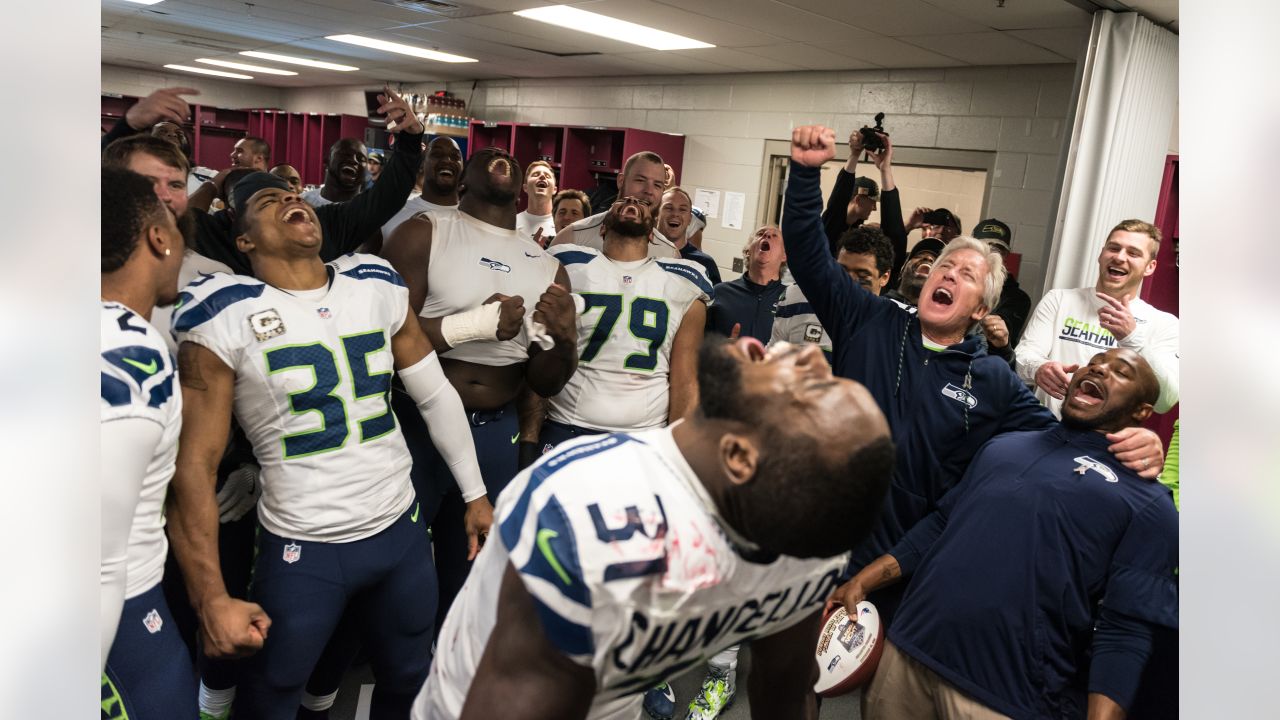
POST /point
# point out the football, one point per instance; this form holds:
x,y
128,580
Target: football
x,y
848,650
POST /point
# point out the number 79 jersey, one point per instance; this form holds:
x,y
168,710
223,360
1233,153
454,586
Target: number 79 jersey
x,y
625,335
312,392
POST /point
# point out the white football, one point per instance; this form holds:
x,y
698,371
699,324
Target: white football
x,y
848,650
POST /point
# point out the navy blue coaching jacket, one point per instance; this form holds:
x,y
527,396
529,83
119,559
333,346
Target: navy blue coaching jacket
x,y
941,406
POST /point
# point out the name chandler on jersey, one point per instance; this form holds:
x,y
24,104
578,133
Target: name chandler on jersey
x,y
649,644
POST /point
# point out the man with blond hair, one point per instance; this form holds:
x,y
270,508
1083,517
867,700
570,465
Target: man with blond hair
x,y
1070,326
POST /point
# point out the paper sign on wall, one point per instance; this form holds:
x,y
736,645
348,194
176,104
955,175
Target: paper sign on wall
x,y
708,201
734,203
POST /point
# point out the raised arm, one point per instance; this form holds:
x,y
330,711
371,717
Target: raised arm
x,y
347,225
835,298
684,362
891,208
522,675
835,217
783,671
441,409
229,627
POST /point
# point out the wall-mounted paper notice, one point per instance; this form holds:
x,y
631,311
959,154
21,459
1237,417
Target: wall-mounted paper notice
x,y
708,201
733,206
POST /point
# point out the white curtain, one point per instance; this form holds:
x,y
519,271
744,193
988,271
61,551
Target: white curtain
x,y
1115,161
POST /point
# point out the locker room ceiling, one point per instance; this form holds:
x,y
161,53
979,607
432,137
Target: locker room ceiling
x,y
749,35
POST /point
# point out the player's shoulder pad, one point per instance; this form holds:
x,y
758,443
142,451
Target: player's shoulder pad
x,y
362,266
205,297
137,368
570,254
691,271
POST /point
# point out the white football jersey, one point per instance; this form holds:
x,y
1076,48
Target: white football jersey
x,y
794,322
587,233
470,261
631,570
413,206
633,310
193,265
139,380
313,382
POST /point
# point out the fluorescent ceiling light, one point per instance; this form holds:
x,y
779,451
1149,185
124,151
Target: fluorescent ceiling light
x,y
402,49
298,61
144,2
244,66
206,71
612,28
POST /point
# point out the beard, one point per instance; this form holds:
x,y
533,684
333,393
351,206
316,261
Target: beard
x,y
627,228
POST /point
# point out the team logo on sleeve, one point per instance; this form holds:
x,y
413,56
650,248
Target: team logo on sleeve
x,y
266,324
1087,463
153,622
292,553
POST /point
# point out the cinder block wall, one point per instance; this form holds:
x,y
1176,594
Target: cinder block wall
x,y
1017,112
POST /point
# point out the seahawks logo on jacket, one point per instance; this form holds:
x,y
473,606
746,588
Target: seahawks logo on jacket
x,y
961,396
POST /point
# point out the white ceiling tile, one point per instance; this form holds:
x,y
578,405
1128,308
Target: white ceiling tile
x,y
811,57
741,59
775,18
988,48
1016,14
674,18
892,17
892,53
1067,42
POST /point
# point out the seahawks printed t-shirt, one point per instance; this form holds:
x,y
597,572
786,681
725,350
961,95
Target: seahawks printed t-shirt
x,y
630,569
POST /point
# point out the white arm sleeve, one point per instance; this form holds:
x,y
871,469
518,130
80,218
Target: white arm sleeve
x,y
1037,337
442,410
128,444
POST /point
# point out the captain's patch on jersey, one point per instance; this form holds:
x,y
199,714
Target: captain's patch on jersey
x,y
266,324
813,332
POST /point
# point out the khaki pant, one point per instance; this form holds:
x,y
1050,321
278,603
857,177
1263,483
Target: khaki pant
x,y
903,689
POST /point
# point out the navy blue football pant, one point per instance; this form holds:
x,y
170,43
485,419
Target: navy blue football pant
x,y
553,433
496,434
148,674
385,583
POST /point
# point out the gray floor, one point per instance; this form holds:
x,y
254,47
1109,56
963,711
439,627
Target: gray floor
x,y
686,686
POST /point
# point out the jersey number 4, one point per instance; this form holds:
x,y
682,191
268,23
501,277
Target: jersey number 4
x,y
321,397
648,323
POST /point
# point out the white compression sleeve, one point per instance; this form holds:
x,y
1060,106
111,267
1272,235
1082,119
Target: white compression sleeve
x,y
478,323
128,445
442,410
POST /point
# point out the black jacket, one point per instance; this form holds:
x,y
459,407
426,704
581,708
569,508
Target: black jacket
x,y
745,302
833,219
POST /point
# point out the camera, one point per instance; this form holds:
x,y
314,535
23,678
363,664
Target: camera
x,y
871,142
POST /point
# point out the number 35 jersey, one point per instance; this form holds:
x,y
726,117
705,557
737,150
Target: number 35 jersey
x,y
625,334
313,377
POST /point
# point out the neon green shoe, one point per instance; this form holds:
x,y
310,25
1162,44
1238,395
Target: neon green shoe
x,y
718,691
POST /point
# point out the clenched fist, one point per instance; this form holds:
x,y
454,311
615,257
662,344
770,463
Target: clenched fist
x,y
812,145
556,311
510,314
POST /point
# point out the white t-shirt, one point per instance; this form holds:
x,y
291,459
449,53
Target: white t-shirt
x,y
586,232
470,261
1065,328
630,568
625,335
312,393
527,225
139,380
412,207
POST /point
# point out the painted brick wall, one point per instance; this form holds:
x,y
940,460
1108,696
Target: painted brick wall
x,y
1017,112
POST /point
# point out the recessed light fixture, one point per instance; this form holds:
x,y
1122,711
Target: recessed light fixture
x,y
612,28
206,71
244,66
298,61
399,48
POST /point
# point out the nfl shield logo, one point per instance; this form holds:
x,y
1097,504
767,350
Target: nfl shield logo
x,y
626,280
324,313
292,553
153,622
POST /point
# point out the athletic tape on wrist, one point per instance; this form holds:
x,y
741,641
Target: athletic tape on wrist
x,y
478,323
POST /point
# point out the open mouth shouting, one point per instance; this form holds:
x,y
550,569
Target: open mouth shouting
x,y
943,296
1089,393
500,167
447,173
296,214
1118,272
922,270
